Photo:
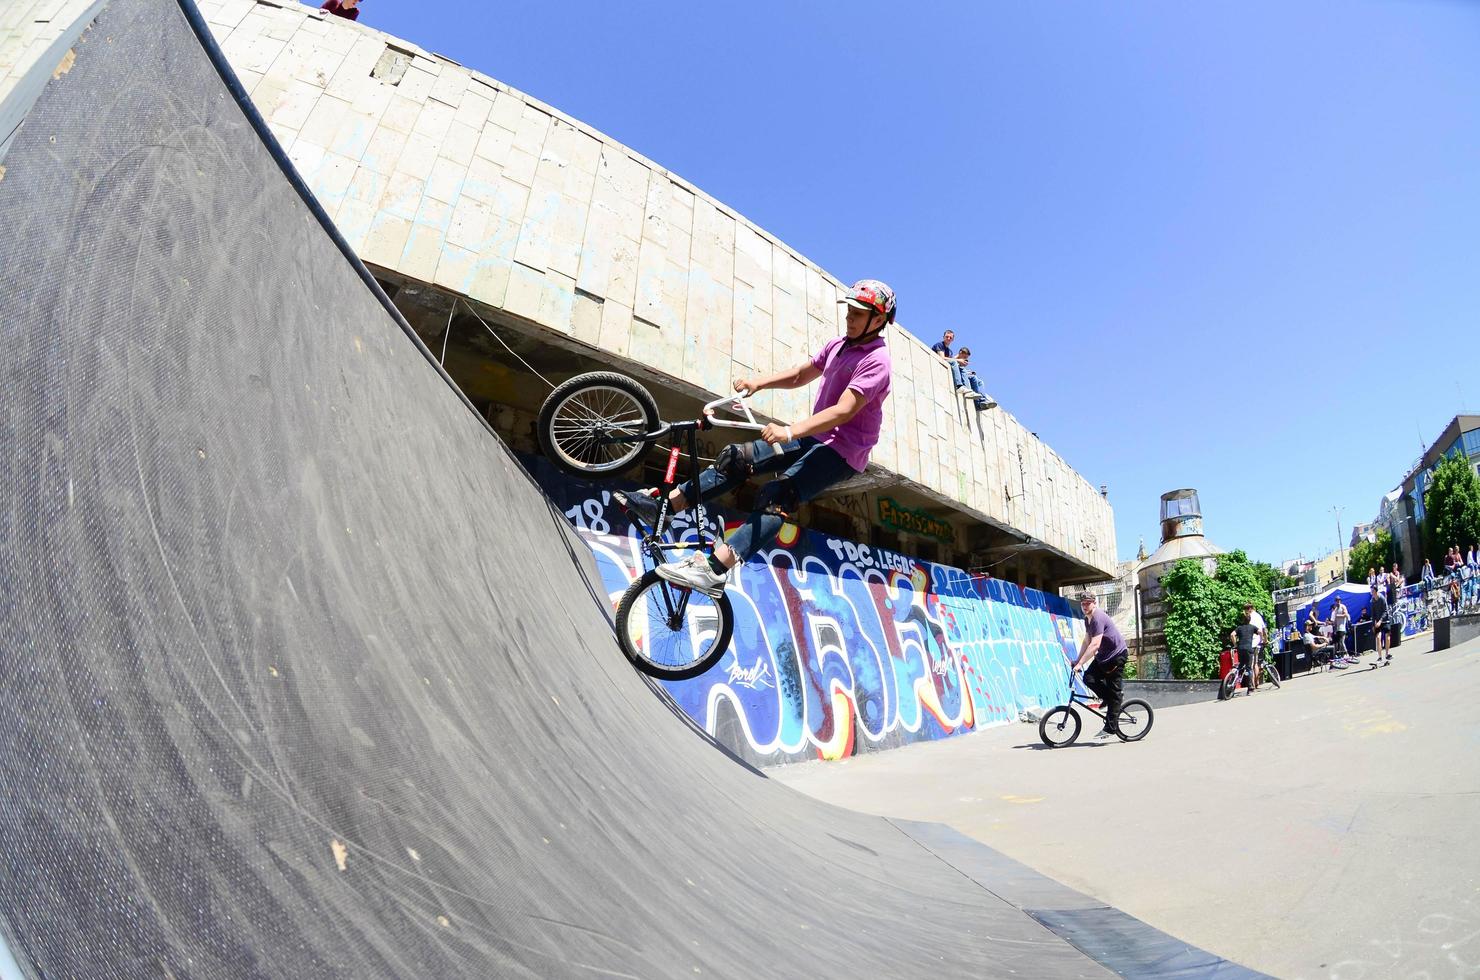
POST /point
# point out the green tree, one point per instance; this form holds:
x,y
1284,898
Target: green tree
x,y
1271,579
1451,506
1193,614
1376,554
1202,608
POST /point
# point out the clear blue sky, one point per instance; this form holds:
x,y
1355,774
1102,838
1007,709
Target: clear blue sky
x,y
1234,246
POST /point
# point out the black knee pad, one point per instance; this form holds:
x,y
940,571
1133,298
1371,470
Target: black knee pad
x,y
779,497
736,461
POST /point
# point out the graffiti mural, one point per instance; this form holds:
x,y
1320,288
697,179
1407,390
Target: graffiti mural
x,y
842,648
1411,609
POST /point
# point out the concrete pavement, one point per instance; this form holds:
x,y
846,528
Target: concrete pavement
x,y
1322,830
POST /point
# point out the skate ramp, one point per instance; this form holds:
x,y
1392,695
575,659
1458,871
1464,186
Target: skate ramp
x,y
302,676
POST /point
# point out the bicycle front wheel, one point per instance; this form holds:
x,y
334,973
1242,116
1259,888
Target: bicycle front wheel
x,y
1059,727
1135,721
591,424
1271,674
672,632
1226,689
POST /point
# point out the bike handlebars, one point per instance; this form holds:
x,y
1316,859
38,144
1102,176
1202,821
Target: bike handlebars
x,y
739,404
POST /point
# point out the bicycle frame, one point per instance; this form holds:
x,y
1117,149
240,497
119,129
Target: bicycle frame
x,y
687,432
684,435
1076,698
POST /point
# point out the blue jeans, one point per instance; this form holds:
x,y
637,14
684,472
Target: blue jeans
x,y
961,376
810,468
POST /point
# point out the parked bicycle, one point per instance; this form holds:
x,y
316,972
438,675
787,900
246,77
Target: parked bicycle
x,y
601,424
1060,727
1241,676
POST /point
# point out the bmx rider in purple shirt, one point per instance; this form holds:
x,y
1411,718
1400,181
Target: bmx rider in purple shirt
x,y
823,449
1104,651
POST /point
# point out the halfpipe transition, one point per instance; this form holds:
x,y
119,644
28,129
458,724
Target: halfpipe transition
x,y
289,639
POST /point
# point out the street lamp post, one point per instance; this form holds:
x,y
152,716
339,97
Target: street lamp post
x,y
1340,542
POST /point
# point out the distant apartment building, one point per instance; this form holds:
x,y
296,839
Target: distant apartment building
x,y
1402,510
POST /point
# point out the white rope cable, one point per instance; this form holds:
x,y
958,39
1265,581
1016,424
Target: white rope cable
x,y
447,334
496,337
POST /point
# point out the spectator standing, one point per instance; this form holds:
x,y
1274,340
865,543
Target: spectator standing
x,y
1396,584
1472,572
1340,620
1379,614
1246,642
1454,564
1252,617
348,9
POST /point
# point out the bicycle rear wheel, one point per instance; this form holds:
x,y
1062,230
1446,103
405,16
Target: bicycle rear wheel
x,y
672,632
580,419
1059,727
1135,720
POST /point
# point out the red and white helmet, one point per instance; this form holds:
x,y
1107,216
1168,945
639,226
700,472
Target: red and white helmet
x,y
871,294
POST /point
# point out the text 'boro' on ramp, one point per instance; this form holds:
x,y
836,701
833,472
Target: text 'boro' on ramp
x,y
303,677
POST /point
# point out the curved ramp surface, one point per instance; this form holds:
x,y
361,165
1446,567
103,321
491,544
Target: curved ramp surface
x,y
300,675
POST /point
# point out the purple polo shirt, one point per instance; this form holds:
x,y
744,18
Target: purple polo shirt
x,y
865,368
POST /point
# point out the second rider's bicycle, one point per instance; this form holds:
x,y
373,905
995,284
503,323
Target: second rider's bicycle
x,y
1239,675
601,424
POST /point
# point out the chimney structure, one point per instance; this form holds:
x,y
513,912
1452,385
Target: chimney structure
x,y
1181,537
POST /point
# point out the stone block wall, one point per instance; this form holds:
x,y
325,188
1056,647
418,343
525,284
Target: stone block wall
x,y
442,174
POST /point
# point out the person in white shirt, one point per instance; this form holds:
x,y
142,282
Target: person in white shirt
x,y
1256,621
1340,620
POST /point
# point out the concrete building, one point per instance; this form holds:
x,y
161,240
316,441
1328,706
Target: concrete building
x,y
1403,509
1360,531
521,243
1316,572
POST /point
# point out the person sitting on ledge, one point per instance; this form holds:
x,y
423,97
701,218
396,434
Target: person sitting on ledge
x,y
348,9
973,384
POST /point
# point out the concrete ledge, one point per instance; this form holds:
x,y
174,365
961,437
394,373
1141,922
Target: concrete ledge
x,y
1167,694
1455,630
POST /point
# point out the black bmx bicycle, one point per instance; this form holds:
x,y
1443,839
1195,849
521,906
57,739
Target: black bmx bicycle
x,y
601,424
1060,727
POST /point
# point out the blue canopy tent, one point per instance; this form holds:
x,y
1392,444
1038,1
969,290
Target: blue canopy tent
x,y
1357,598
1358,601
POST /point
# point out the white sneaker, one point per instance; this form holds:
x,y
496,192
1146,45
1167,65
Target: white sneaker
x,y
693,572
962,390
